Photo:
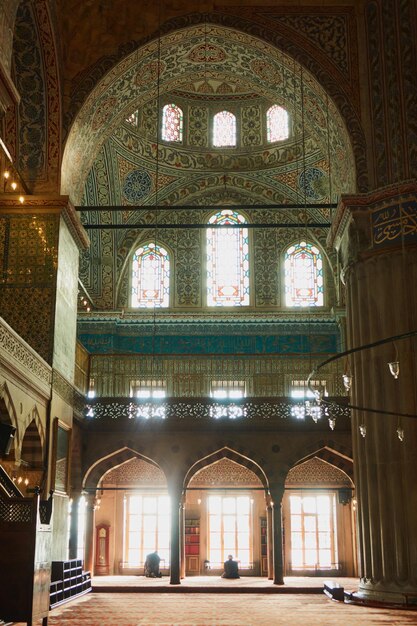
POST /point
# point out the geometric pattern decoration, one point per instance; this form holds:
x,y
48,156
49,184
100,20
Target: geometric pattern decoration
x,y
318,473
136,186
313,183
225,473
135,472
303,275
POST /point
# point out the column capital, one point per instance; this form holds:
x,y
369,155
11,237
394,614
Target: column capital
x,y
370,223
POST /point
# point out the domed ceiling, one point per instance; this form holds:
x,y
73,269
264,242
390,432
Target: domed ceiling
x,y
114,156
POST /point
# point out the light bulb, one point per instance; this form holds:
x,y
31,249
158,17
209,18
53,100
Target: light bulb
x,y
6,174
394,368
315,413
400,433
332,423
362,430
21,199
347,381
14,185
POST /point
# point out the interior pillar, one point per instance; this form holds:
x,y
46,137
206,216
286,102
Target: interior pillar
x,y
375,238
73,537
277,493
176,513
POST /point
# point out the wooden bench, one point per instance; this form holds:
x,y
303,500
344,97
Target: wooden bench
x,y
333,590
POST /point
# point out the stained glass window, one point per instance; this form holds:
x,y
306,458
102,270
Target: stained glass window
x,y
303,275
227,261
277,124
150,277
172,123
224,129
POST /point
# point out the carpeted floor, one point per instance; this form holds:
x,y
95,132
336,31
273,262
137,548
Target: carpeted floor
x,y
135,609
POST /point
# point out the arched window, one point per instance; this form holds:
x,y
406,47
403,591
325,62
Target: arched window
x,y
303,275
224,129
227,261
276,124
150,277
172,123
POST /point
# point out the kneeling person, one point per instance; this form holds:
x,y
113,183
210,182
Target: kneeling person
x,y
231,568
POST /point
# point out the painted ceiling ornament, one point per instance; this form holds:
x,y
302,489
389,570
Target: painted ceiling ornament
x,y
103,112
206,53
266,71
314,183
137,186
150,72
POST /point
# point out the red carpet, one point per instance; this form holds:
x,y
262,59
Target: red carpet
x,y
137,609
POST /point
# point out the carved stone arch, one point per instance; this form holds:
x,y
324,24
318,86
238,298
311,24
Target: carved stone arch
x,y
32,443
124,257
232,455
8,416
33,416
331,452
8,411
95,472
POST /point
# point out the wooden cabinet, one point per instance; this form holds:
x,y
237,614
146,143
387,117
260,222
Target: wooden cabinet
x,y
25,568
68,580
192,547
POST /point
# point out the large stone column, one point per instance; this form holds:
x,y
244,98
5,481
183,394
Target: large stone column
x,y
277,492
376,238
175,493
269,537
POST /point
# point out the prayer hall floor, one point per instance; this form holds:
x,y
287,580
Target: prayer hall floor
x,y
218,609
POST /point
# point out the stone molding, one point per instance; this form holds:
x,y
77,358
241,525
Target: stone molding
x,y
16,354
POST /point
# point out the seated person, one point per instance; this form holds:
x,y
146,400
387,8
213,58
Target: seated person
x,y
152,565
231,568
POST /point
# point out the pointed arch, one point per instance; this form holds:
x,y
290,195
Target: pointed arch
x,y
7,410
332,453
96,471
32,446
233,455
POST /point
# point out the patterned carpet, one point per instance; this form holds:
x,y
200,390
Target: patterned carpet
x,y
136,609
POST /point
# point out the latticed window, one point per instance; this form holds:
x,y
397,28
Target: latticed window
x,y
150,277
224,129
228,389
230,529
147,528
303,275
148,388
277,124
172,123
313,531
227,261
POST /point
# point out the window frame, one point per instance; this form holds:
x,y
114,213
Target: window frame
x,y
212,130
142,244
182,123
276,141
301,307
204,249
